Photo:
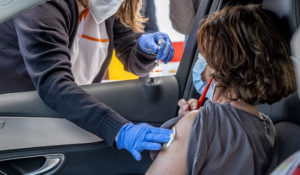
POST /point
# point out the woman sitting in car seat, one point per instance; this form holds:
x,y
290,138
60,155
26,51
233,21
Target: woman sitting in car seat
x,y
248,58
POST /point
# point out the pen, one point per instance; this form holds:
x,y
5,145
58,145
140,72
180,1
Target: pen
x,y
201,99
159,43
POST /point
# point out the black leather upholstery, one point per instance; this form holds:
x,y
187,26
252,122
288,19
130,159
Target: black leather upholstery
x,y
288,134
287,10
287,109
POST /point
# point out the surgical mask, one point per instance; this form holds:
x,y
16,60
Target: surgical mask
x,y
101,10
199,84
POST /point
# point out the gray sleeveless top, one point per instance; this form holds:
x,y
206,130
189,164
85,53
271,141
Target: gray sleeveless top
x,y
227,140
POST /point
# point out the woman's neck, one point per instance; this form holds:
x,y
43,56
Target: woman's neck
x,y
240,104
81,8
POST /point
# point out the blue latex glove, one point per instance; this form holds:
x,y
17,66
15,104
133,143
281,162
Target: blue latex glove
x,y
149,43
136,138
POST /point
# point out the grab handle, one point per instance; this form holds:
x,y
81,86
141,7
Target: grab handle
x,y
52,163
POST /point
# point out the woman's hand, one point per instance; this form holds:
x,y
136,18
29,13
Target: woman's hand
x,y
187,106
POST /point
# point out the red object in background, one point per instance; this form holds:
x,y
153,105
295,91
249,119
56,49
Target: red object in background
x,y
178,48
297,171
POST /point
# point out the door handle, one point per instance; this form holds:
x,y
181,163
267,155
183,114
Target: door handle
x,y
151,82
2,123
152,87
51,165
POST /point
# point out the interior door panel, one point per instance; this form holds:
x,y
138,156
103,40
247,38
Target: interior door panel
x,y
27,132
30,145
151,100
83,159
32,131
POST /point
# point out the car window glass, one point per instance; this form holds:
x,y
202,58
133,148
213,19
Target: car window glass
x,y
116,70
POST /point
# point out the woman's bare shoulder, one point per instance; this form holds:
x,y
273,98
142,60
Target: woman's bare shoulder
x,y
187,120
172,160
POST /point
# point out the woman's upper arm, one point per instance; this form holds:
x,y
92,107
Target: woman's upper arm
x,y
173,159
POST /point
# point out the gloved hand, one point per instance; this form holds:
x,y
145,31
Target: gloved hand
x,y
149,43
136,138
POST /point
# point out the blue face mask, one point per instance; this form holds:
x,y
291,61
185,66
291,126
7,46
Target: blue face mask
x,y
199,84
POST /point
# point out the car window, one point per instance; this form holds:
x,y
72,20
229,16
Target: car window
x,y
116,70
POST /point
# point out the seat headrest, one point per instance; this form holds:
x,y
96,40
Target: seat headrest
x,y
295,45
286,110
287,10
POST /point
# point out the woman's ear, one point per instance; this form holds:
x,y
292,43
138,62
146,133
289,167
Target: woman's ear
x,y
207,73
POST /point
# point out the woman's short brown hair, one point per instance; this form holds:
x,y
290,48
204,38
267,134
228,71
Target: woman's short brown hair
x,y
248,53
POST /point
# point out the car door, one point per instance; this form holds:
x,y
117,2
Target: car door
x,y
36,140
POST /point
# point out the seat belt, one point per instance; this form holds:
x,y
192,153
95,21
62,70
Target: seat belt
x,y
184,75
191,47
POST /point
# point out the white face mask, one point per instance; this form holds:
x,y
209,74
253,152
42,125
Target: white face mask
x,y
103,9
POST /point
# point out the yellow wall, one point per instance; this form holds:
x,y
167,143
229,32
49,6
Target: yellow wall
x,y
116,71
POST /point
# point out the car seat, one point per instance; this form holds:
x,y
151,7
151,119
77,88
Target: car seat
x,y
285,114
